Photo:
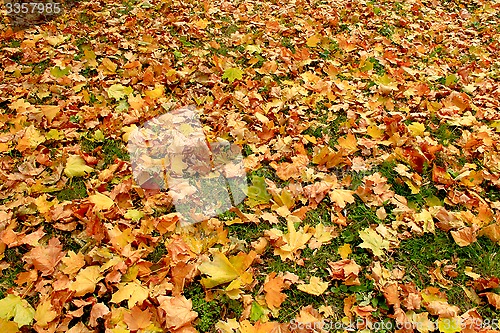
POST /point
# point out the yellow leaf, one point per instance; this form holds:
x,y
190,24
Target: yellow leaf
x,y
16,309
86,280
295,240
43,205
133,292
344,251
424,325
55,40
416,128
44,313
341,197
450,325
136,102
322,235
492,232
427,221
373,241
76,167
157,92
101,201
222,270
349,143
109,66
315,287
177,164
128,130
73,262
313,41
31,139
7,326
201,24
50,111
375,132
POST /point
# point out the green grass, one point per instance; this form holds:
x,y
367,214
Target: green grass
x,y
210,312
14,257
446,134
74,189
418,255
109,150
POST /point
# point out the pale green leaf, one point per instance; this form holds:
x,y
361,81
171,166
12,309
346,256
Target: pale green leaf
x,y
232,74
118,91
76,167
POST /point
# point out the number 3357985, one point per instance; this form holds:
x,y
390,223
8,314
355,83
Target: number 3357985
x,y
33,7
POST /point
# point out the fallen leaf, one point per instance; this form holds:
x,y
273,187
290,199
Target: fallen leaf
x,y
373,241
315,286
86,280
76,167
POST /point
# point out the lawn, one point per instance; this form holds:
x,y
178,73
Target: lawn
x,y
369,138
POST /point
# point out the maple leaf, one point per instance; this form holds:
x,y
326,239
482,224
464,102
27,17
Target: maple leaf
x,y
31,139
373,241
492,232
99,310
86,280
46,258
101,201
232,74
493,299
15,308
137,319
322,235
133,292
346,270
73,262
222,270
257,192
76,167
44,313
315,286
344,251
313,41
133,214
294,241
178,311
118,91
464,236
341,197
273,287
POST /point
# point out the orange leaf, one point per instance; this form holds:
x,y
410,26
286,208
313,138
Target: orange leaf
x,y
137,319
273,288
178,311
493,299
45,258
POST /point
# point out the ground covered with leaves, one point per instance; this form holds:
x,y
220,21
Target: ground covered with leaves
x,y
370,133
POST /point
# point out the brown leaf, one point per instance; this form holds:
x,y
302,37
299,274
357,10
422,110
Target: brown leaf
x,y
99,310
46,258
493,299
346,270
178,311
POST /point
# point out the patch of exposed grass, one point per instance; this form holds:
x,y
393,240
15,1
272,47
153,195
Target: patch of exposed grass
x,y
75,189
14,257
419,254
109,150
446,134
210,312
